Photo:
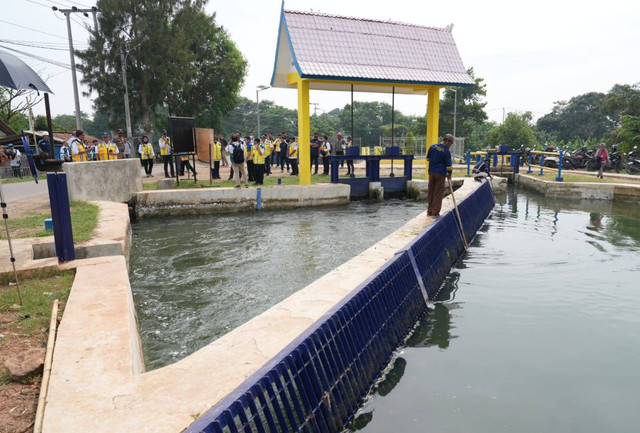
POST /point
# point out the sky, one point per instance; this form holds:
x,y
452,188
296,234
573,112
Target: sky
x,y
530,54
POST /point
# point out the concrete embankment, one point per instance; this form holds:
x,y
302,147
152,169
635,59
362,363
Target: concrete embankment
x,y
212,200
97,382
581,190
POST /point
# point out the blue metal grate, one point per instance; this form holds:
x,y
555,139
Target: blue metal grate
x,y
318,381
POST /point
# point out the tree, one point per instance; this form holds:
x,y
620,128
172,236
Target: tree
x,y
516,132
178,61
14,107
470,112
581,117
628,133
622,100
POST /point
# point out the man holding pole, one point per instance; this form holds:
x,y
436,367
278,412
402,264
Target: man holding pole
x,y
440,168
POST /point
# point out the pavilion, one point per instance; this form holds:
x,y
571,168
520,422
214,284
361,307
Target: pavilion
x,y
330,52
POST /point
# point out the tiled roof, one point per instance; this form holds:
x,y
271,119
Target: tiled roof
x,y
337,47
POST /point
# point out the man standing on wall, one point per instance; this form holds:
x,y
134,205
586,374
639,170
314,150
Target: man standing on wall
x,y
120,141
440,167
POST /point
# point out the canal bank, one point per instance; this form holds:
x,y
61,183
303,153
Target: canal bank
x,y
627,192
88,393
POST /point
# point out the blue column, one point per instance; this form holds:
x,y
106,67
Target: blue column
x,y
468,162
541,165
408,168
530,159
61,216
334,169
559,178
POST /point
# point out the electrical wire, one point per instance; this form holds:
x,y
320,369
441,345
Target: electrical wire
x,y
12,42
36,30
39,4
42,59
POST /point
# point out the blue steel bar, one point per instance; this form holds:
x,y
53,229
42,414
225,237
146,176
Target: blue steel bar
x,y
541,165
468,162
559,178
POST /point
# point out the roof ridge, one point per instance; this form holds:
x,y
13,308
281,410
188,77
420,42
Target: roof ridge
x,y
346,17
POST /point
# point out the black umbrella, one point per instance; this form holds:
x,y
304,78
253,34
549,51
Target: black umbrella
x,y
16,74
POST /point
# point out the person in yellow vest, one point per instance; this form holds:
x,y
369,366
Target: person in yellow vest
x,y
259,157
248,142
146,155
77,146
216,150
165,151
268,150
292,155
107,149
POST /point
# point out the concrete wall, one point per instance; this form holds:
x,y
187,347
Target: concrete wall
x,y
581,190
96,383
212,200
116,180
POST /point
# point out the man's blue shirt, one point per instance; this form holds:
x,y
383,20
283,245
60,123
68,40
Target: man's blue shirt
x,y
439,159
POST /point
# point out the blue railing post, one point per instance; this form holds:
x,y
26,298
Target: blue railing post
x,y
530,161
559,178
61,216
495,159
541,165
259,199
468,162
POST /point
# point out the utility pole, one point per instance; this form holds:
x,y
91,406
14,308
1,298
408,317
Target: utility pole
x,y
455,110
315,107
259,89
127,114
67,13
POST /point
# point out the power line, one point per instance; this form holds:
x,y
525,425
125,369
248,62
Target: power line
x,y
37,3
42,59
31,45
36,30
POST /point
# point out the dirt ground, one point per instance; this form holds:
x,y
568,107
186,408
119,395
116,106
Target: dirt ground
x,y
18,401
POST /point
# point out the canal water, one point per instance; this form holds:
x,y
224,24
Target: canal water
x,y
196,278
536,329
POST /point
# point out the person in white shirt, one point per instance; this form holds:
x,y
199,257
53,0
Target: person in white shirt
x,y
325,151
16,161
146,154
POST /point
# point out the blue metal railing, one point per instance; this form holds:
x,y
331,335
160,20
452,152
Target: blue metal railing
x,y
318,381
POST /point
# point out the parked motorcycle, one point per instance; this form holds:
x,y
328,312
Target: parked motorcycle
x,y
577,160
633,161
616,159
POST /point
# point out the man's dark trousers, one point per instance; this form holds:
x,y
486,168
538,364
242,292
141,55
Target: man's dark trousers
x,y
435,192
168,161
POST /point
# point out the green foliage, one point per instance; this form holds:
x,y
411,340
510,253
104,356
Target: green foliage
x,y
515,132
581,117
179,62
628,134
470,112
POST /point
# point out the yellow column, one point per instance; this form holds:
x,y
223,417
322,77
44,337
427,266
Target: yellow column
x,y
433,119
304,131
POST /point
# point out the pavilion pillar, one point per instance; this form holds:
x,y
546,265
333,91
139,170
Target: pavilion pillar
x,y
304,132
433,119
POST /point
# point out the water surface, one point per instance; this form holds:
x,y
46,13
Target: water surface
x,y
196,278
537,329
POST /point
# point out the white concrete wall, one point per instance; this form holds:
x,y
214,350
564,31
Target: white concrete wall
x,y
211,200
116,180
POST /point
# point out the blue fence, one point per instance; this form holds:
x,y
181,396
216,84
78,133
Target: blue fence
x,y
318,381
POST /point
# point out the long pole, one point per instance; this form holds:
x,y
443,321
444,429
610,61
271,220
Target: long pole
x,y
127,114
5,217
76,97
455,206
46,372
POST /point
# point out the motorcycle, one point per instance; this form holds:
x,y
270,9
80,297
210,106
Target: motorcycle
x,y
633,163
576,160
616,160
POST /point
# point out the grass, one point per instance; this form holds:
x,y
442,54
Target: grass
x,y
29,178
39,289
84,218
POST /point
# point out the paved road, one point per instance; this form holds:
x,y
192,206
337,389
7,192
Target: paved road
x,y
26,191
